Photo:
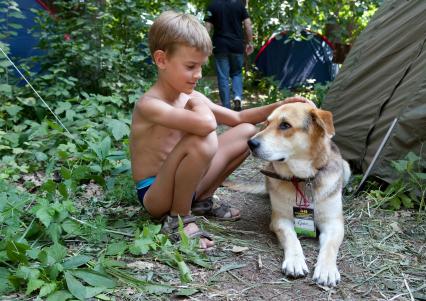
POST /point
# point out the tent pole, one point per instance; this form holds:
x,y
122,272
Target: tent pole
x,y
376,155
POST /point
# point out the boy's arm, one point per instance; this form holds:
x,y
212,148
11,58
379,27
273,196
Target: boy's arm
x,y
259,114
253,115
196,118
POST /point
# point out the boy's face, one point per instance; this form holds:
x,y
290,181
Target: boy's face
x,y
182,69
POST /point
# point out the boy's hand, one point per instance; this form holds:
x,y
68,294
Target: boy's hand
x,y
196,104
298,99
193,102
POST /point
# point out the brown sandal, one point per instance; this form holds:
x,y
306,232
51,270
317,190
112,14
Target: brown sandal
x,y
171,226
208,207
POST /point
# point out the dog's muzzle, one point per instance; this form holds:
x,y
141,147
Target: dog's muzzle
x,y
253,145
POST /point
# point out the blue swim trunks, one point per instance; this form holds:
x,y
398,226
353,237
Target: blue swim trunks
x,y
142,187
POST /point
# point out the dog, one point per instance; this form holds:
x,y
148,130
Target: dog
x,y
304,162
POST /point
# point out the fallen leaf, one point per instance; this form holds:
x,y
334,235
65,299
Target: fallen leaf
x,y
237,249
141,265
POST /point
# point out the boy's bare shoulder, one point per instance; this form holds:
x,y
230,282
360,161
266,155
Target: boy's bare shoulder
x,y
147,102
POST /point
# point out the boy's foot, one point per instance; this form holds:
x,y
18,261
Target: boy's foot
x,y
211,207
237,104
171,226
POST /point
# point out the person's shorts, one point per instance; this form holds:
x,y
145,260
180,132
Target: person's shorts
x,y
142,187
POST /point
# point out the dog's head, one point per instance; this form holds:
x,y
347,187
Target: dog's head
x,y
294,130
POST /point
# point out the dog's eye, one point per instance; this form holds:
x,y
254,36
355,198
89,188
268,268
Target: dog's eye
x,y
284,126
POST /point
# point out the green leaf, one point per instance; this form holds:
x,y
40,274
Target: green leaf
x,y
71,227
119,129
184,271
49,186
57,252
63,190
94,278
395,203
47,289
186,292
80,291
157,289
406,201
65,173
80,172
59,296
421,175
5,285
33,284
41,156
54,231
76,261
117,248
13,110
6,89
16,251
141,246
26,273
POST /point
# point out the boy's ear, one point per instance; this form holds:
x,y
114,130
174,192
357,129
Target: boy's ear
x,y
160,58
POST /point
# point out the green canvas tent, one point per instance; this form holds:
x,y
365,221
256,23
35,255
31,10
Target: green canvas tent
x,y
378,99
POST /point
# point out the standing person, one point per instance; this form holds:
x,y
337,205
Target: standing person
x,y
226,18
178,159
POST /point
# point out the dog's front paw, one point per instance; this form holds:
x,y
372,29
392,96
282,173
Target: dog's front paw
x,y
295,266
326,274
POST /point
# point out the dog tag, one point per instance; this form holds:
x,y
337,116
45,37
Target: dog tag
x,y
304,224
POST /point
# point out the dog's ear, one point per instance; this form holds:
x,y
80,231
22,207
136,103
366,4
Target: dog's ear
x,y
324,119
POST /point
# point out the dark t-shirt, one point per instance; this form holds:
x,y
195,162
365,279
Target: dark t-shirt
x,y
227,17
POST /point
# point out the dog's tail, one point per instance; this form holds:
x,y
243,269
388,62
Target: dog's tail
x,y
346,172
247,187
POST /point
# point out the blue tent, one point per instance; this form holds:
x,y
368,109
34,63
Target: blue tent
x,y
24,44
293,62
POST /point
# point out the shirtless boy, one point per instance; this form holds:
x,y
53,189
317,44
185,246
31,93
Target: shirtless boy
x,y
178,159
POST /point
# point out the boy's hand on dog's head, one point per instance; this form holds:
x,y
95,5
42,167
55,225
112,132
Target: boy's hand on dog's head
x,y
298,99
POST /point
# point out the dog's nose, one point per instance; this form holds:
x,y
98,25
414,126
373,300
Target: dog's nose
x,y
253,144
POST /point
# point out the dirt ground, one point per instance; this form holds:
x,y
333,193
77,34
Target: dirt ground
x,y
382,256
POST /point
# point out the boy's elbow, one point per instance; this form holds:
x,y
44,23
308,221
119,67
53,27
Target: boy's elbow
x,y
209,125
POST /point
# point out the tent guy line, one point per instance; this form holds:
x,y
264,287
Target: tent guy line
x,y
38,95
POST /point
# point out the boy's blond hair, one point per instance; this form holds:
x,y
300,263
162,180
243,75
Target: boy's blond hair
x,y
172,29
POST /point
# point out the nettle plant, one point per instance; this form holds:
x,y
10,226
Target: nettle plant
x,y
409,190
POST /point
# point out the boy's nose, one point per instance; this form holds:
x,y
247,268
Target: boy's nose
x,y
198,74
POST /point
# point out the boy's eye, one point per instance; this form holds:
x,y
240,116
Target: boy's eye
x,y
190,67
284,125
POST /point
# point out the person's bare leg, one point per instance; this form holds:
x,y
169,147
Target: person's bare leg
x,y
232,151
221,178
178,178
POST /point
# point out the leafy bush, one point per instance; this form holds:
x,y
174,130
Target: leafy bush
x,y
409,190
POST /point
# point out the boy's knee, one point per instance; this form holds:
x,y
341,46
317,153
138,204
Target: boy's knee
x,y
204,147
247,130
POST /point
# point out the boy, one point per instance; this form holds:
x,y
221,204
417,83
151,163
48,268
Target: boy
x,y
178,160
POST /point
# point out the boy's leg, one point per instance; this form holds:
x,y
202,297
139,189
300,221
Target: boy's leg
x,y
232,151
176,182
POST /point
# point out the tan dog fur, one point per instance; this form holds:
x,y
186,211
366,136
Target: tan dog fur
x,y
297,142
